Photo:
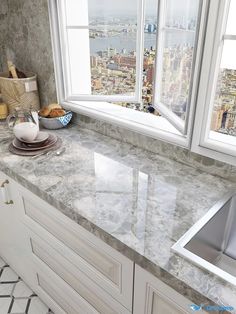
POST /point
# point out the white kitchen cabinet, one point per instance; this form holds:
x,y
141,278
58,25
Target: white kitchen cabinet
x,y
108,268
152,296
14,241
69,268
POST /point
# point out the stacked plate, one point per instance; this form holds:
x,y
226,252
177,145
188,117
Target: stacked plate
x,y
44,142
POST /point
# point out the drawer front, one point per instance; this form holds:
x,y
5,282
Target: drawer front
x,y
87,289
62,294
108,268
103,263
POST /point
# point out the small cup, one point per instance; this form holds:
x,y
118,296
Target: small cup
x,y
27,131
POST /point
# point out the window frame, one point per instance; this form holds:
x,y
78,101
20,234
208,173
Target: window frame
x,y
115,114
201,143
110,113
65,58
183,126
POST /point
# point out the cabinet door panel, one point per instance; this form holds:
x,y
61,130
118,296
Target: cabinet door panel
x,y
14,242
159,305
152,296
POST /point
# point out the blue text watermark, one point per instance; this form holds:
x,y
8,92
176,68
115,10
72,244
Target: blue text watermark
x,y
211,308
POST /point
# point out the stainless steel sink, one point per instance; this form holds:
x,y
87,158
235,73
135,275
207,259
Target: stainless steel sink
x,y
211,242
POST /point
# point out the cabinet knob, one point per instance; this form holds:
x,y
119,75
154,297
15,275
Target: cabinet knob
x,y
4,183
5,193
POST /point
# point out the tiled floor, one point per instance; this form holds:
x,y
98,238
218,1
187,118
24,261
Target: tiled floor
x,y
15,295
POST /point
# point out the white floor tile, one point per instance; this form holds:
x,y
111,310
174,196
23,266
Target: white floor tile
x,y
4,305
19,306
37,307
8,275
6,289
16,297
2,263
21,290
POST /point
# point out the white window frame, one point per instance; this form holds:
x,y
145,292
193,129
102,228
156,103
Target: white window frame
x,y
183,126
212,15
65,58
201,143
136,121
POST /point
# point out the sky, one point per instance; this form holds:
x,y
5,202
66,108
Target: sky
x,y
129,7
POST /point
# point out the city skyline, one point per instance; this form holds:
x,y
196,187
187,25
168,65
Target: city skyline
x,y
113,64
105,7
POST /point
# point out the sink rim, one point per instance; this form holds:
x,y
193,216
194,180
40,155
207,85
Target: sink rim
x,y
179,246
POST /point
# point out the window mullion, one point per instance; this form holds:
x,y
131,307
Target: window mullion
x,y
159,51
139,51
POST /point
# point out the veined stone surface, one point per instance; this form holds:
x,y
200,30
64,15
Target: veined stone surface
x,y
25,39
138,202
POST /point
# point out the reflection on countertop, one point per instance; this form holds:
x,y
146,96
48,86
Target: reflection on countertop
x,y
138,202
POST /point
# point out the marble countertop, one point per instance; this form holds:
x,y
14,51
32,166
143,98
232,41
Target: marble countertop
x,y
137,202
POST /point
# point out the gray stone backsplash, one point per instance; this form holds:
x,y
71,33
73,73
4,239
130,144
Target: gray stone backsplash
x,y
25,39
159,147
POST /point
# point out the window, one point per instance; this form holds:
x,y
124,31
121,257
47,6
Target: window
x,y
164,68
176,51
217,98
101,55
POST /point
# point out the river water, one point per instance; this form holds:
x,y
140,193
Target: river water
x,y
128,41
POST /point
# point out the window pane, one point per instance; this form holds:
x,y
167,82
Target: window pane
x,y
182,14
176,75
113,60
231,24
116,13
228,60
224,111
76,12
79,62
177,43
102,46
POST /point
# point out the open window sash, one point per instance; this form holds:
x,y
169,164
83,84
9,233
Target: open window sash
x,y
75,45
176,110
222,58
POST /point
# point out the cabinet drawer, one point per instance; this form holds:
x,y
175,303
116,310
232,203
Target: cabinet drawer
x,y
62,294
86,288
108,268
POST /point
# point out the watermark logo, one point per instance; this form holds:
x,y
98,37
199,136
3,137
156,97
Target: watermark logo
x,y
195,307
211,308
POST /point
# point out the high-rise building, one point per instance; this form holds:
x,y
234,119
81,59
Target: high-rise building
x,y
216,120
93,61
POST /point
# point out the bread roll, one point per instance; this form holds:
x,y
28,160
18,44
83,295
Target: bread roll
x,y
54,106
55,113
44,112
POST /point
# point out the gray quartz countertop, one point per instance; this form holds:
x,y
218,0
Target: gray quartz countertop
x,y
137,202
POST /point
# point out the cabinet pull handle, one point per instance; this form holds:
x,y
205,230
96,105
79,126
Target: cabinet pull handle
x,y
4,183
5,193
9,202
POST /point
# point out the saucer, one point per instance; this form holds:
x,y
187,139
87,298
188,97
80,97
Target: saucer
x,y
41,137
28,147
31,153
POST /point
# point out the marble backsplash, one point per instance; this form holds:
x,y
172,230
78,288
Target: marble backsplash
x,y
159,147
3,31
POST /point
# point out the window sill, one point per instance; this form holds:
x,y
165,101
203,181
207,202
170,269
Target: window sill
x,y
146,124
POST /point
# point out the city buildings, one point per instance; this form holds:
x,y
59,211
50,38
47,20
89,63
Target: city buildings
x,y
113,70
224,111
